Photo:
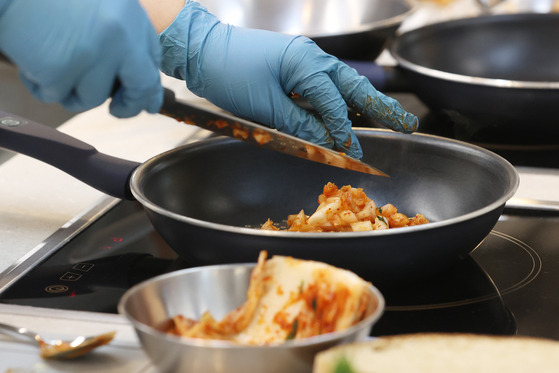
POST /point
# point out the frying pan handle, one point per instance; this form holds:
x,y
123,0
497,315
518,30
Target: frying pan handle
x,y
384,78
101,171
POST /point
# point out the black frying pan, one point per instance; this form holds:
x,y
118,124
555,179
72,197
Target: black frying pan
x,y
501,72
202,197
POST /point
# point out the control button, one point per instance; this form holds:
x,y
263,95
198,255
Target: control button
x,y
70,276
11,122
56,289
83,266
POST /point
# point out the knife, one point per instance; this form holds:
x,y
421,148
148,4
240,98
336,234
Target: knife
x,y
244,130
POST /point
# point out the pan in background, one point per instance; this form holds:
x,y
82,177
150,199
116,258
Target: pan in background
x,y
354,29
499,73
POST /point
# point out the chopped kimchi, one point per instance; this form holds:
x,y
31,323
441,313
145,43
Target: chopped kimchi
x,y
347,209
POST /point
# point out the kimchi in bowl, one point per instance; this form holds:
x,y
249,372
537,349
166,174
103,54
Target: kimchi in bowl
x,y
219,289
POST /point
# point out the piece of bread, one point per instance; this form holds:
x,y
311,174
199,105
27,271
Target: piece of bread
x,y
442,353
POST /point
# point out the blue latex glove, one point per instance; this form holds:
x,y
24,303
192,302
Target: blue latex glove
x,y
251,72
73,52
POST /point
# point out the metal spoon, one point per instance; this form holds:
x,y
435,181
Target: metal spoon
x,y
59,349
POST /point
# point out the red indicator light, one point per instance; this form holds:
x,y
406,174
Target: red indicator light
x,y
73,294
114,239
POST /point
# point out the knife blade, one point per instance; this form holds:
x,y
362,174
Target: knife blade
x,y
244,130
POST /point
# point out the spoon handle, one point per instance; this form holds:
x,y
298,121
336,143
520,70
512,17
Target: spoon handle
x,y
19,331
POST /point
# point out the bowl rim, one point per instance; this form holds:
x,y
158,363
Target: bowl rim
x,y
367,322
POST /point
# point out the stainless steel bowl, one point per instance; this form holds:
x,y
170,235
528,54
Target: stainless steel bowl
x,y
351,29
219,289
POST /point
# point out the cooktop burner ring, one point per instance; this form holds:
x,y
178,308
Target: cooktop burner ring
x,y
524,261
534,256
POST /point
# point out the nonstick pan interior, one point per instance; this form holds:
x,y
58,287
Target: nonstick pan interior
x,y
518,47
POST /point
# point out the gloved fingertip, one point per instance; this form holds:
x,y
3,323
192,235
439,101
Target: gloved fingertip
x,y
410,123
120,110
400,120
159,96
155,104
74,105
122,106
352,147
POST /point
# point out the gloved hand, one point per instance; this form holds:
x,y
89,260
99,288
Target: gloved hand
x,y
73,52
251,72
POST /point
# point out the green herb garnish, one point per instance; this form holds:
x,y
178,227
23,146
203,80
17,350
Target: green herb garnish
x,y
343,366
293,331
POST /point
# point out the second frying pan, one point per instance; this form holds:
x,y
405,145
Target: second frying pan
x,y
500,72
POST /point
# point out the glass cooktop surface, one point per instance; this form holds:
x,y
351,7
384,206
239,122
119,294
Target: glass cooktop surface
x,y
506,286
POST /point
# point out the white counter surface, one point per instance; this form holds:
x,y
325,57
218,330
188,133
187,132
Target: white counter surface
x,y
37,199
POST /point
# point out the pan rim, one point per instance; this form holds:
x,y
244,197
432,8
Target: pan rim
x,y
475,80
514,181
466,79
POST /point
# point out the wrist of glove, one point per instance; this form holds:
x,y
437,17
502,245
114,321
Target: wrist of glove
x,y
251,72
74,51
